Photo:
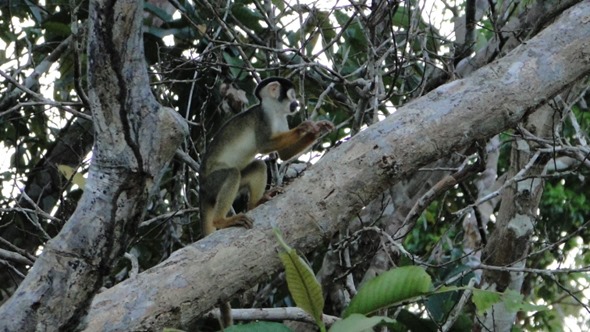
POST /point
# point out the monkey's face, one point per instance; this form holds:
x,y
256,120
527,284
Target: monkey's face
x,y
293,104
277,95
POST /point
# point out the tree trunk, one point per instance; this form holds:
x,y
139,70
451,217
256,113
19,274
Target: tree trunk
x,y
135,138
509,242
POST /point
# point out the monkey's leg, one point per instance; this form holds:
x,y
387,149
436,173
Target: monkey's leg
x,y
254,179
228,181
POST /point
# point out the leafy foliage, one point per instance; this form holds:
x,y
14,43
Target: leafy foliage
x,y
389,288
303,286
259,327
512,300
358,322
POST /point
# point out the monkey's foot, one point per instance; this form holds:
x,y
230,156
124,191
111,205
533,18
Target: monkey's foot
x,y
270,194
239,220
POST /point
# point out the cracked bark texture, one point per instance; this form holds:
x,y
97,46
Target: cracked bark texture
x,y
134,139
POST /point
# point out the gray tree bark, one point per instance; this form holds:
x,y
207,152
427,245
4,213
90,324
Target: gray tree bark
x,y
135,138
509,243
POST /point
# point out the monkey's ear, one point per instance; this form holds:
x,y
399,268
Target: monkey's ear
x,y
272,90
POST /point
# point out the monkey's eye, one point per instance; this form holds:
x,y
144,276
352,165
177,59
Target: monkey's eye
x,y
293,106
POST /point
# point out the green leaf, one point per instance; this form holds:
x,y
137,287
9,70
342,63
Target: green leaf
x,y
413,322
401,17
236,66
259,327
303,286
56,29
484,300
280,4
70,173
358,322
249,17
390,288
513,301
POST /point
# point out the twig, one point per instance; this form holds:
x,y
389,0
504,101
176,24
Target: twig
x,y
464,171
168,215
530,270
15,257
41,98
15,270
274,314
38,211
458,309
39,70
519,176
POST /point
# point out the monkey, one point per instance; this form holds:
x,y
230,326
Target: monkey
x,y
229,165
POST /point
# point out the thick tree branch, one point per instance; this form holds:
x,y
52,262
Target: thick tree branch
x,y
451,117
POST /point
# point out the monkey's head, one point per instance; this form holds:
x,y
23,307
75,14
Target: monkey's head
x,y
277,92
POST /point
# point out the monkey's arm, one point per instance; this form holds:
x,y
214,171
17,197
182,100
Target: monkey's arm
x,y
297,147
294,141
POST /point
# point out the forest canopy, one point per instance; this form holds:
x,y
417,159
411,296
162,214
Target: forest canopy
x,y
455,178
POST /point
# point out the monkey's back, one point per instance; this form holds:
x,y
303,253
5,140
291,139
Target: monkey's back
x,y
234,145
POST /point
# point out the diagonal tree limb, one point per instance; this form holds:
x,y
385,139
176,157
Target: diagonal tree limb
x,y
327,196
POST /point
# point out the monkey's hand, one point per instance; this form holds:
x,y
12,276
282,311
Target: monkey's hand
x,y
324,126
307,127
315,128
297,140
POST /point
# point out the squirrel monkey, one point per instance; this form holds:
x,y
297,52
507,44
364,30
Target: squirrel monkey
x,y
228,165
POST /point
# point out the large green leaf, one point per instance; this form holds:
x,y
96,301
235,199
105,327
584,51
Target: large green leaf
x,y
305,290
390,288
358,322
259,327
